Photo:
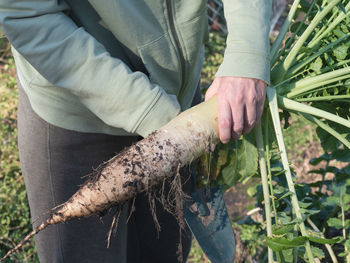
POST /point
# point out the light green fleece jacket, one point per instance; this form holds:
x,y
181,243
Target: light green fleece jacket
x,y
125,66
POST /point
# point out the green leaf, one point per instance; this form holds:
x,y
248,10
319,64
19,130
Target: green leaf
x,y
341,52
282,229
285,218
317,252
338,33
286,255
280,190
243,160
285,195
309,211
323,241
335,222
248,156
280,243
343,254
251,191
316,65
304,205
347,244
328,143
342,155
347,223
276,169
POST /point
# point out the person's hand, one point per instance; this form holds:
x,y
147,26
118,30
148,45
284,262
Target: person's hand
x,y
240,104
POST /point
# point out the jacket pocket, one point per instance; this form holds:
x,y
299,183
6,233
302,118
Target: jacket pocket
x,y
162,63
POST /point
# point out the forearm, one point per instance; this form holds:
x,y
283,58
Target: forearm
x,y
247,49
70,58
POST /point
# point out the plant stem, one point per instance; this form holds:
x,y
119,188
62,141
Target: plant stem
x,y
297,92
269,174
328,246
290,40
343,224
290,59
341,85
327,129
322,98
307,61
300,107
330,27
272,96
283,89
334,66
323,28
277,43
311,83
263,173
344,235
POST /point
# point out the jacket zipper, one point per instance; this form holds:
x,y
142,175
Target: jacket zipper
x,y
177,42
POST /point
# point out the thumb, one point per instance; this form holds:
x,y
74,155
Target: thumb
x,y
211,91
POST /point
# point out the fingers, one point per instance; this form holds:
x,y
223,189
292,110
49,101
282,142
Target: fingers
x,y
240,105
212,90
250,112
237,118
224,120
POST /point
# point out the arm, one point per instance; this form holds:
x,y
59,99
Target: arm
x,y
241,80
70,58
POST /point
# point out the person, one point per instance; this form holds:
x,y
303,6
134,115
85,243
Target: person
x,y
94,76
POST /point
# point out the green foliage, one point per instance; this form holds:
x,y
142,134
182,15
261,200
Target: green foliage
x,y
214,51
282,229
310,77
196,254
323,50
230,163
324,241
252,234
280,243
322,204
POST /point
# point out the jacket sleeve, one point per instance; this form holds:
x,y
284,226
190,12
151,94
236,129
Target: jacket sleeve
x,y
247,44
70,58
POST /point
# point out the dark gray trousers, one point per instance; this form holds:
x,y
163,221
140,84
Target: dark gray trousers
x,y
54,162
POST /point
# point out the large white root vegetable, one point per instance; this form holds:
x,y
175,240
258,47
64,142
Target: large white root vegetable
x,y
140,167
